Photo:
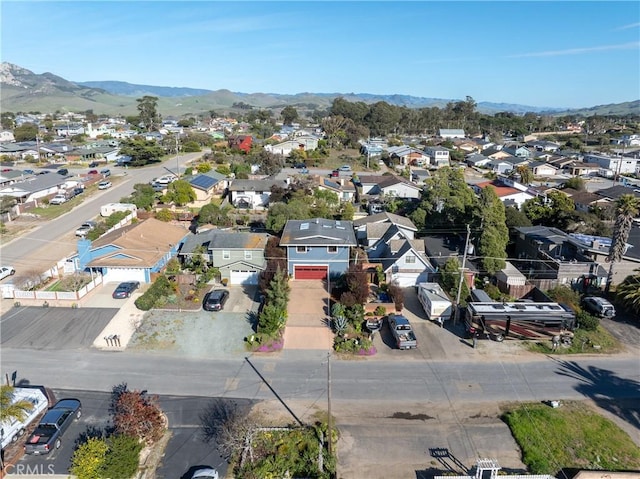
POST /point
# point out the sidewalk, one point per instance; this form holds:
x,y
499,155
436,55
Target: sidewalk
x,y
123,325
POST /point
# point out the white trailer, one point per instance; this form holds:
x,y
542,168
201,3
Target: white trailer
x,y
12,429
110,208
435,302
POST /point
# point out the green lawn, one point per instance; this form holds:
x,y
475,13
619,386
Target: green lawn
x,y
571,436
599,341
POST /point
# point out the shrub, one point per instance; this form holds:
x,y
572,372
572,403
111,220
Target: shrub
x,y
138,415
164,215
380,311
587,321
161,288
122,457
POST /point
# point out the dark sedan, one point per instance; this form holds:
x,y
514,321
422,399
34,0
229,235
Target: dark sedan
x,y
124,290
214,300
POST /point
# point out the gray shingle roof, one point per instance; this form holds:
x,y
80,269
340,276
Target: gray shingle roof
x,y
318,232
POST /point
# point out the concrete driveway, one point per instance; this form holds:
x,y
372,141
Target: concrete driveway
x,y
307,314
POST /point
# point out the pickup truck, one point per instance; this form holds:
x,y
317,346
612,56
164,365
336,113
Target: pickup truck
x,y
402,332
48,433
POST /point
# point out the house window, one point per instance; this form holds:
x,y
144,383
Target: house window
x,y
247,255
332,249
226,254
301,249
410,259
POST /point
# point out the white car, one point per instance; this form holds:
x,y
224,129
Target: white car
x,y
165,180
58,200
85,228
103,185
6,271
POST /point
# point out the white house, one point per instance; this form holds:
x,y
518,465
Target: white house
x,y
509,194
6,136
617,164
448,133
302,143
438,156
541,168
253,194
389,185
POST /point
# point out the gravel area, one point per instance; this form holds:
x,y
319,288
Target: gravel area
x,y
199,334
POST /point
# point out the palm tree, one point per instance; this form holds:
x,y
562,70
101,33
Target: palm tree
x,y
627,208
629,292
10,409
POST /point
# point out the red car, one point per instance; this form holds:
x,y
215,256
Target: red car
x,y
93,172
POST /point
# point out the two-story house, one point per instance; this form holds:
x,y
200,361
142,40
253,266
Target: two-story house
x,y
238,256
438,156
318,248
615,164
549,257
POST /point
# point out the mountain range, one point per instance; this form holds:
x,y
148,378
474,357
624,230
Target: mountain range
x,y
23,90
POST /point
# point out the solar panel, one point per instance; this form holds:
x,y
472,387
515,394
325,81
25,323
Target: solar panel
x,y
203,181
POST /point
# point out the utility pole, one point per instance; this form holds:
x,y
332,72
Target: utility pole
x,y
329,421
177,158
464,260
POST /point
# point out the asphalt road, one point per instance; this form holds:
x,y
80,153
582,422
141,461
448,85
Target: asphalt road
x,y
54,240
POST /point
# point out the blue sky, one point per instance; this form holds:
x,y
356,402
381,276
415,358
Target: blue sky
x,y
555,54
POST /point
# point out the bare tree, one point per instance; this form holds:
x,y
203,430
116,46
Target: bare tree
x,y
224,421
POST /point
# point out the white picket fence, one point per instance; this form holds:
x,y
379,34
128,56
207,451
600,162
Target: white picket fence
x,y
17,294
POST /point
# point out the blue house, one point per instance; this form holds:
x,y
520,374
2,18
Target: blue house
x,y
131,253
318,247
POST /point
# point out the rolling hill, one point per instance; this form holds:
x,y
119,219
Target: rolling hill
x,y
23,90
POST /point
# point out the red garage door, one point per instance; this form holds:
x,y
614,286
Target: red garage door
x,y
310,272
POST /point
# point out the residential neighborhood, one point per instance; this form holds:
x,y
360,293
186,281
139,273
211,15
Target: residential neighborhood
x,y
251,238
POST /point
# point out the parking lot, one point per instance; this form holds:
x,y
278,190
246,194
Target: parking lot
x,y
33,327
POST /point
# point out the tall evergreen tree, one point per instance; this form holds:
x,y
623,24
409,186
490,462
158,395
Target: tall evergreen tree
x,y
494,234
149,116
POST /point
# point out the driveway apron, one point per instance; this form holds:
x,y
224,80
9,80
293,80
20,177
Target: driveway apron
x,y
307,312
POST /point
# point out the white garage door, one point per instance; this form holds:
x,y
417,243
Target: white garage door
x,y
124,274
244,277
406,280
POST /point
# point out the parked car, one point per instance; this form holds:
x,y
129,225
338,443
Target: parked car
x,y
165,180
334,174
48,433
92,172
125,290
6,271
214,300
598,306
63,172
28,171
299,166
58,199
203,472
106,172
345,168
84,228
103,185
93,164
78,191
